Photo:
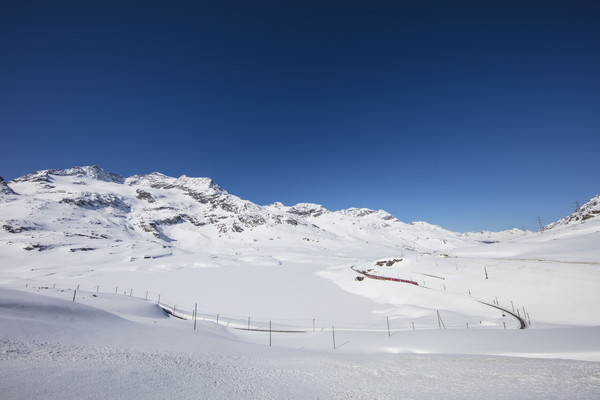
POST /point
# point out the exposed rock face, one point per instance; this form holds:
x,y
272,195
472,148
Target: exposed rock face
x,y
14,226
143,195
96,200
308,210
5,189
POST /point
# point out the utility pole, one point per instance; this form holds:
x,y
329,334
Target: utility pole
x,y
440,322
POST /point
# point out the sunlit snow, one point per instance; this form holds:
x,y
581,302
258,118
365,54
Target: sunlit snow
x,y
91,260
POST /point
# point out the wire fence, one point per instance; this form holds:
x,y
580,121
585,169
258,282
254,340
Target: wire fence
x,y
388,324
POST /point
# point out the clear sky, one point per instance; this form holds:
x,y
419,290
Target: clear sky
x,y
467,114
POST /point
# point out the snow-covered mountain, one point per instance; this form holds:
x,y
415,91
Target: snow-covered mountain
x,y
112,249
87,209
184,236
589,211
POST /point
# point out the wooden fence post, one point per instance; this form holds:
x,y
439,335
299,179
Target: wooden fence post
x,y
333,332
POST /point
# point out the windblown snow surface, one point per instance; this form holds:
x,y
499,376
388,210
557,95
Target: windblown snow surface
x,y
95,266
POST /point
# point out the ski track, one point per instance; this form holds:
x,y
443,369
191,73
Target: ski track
x,y
87,372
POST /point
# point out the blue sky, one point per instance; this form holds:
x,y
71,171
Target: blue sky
x,y
470,114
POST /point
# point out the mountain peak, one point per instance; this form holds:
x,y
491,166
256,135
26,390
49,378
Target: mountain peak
x,y
363,212
198,184
92,172
308,210
278,205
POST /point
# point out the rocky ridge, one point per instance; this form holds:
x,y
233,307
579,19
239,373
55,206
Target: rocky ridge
x,y
67,208
586,212
56,208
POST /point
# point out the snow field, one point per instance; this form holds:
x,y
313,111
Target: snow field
x,y
54,348
187,241
320,335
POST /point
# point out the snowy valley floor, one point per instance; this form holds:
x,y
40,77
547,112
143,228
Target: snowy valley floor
x,y
124,347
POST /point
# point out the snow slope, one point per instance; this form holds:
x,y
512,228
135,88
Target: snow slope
x,y
185,241
54,348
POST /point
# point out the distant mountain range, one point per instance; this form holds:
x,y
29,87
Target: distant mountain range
x,y
87,208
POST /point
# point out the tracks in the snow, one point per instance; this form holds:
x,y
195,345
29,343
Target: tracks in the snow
x,y
522,322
